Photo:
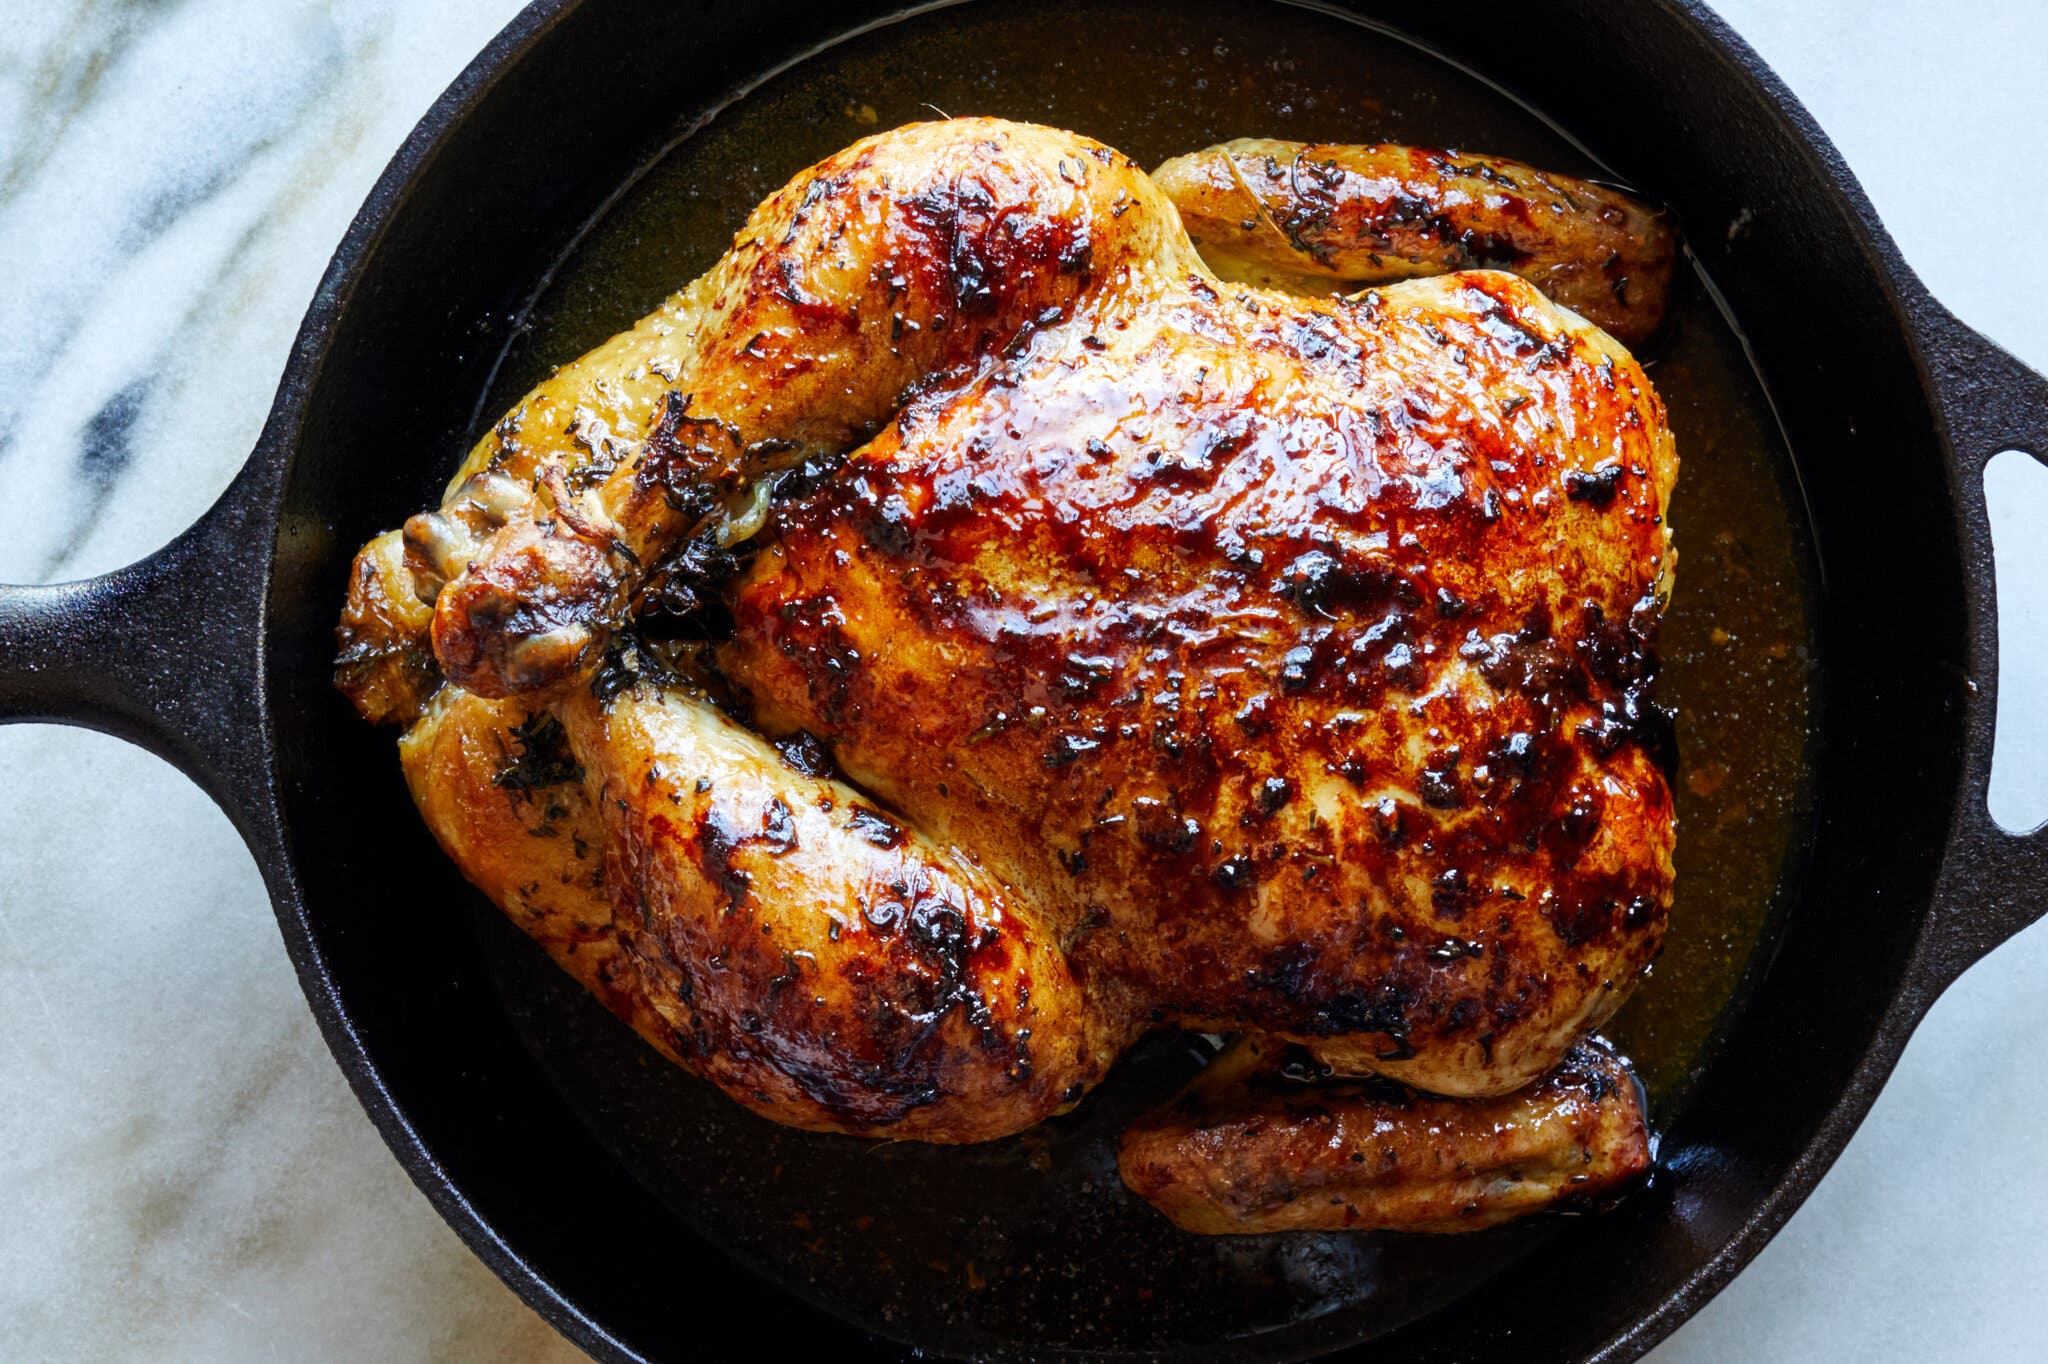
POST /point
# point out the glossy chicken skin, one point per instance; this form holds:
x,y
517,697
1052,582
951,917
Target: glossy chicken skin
x,y
1293,650
830,966
1212,655
1319,218
772,931
889,269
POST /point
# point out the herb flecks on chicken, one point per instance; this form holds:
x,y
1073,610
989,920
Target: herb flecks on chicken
x,y
1316,218
1156,651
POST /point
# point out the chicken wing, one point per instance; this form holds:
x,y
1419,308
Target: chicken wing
x,y
1323,218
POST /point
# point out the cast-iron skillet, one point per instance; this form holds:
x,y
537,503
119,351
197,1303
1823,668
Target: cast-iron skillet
x,y
215,654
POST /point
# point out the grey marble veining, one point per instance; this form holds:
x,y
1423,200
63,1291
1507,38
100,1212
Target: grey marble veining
x,y
185,1173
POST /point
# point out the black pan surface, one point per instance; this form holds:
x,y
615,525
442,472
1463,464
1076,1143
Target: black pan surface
x,y
1838,871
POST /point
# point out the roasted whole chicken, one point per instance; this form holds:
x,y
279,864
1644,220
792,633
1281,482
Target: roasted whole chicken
x,y
975,624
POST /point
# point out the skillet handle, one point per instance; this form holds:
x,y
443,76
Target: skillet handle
x,y
166,652
1993,884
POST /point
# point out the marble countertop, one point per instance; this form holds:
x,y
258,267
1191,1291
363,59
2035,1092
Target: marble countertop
x,y
186,1173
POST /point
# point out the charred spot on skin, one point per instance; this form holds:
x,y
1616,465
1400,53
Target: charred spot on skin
x,y
1235,873
1289,971
1191,466
1515,754
1439,784
805,479
807,754
1621,655
1077,257
1581,818
1634,718
875,828
1596,487
1157,826
717,840
1352,768
1582,916
1084,673
888,529
1380,1010
1450,895
1067,747
1319,584
1606,733
778,826
940,927
1271,795
1297,667
1387,822
1386,648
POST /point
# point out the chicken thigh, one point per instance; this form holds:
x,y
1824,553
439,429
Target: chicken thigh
x,y
1102,646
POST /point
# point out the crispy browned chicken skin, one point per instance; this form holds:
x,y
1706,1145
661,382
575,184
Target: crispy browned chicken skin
x,y
1315,218
1142,650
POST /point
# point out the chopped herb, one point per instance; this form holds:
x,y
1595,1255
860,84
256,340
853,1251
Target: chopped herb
x,y
543,758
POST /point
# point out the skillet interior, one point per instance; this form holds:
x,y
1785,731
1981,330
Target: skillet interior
x,y
420,977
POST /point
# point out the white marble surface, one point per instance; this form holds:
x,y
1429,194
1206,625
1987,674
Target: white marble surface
x,y
185,1175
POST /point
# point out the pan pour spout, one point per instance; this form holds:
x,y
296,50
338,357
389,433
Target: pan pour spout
x,y
962,632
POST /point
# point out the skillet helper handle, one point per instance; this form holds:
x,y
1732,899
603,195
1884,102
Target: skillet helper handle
x,y
1993,884
165,653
